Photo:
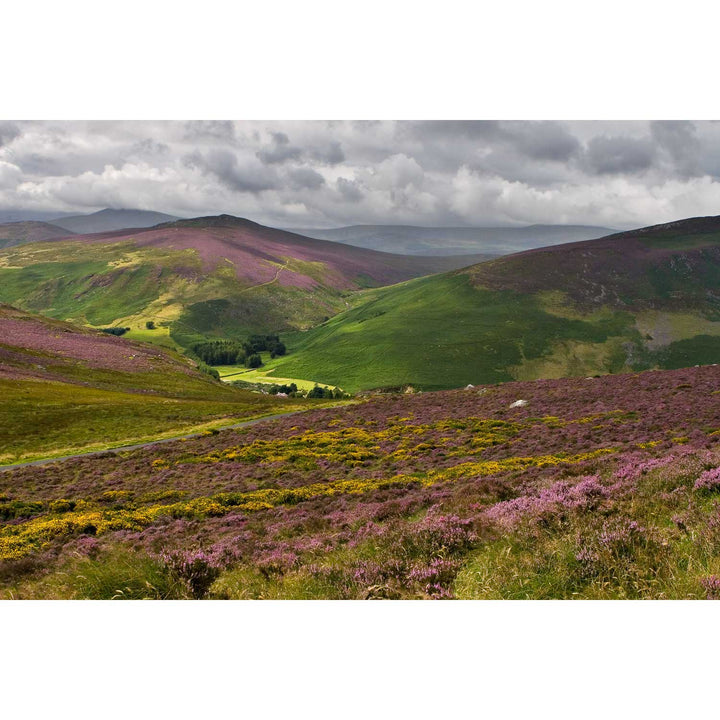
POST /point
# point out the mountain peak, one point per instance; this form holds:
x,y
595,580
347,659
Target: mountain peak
x,y
110,219
223,220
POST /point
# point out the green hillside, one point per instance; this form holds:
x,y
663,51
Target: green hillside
x,y
65,389
629,302
207,277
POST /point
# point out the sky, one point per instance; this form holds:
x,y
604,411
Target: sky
x,y
322,174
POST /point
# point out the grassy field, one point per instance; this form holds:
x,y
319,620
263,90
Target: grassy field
x,y
49,419
160,336
231,373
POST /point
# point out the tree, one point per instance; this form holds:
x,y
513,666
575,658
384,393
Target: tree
x,y
150,325
254,361
316,392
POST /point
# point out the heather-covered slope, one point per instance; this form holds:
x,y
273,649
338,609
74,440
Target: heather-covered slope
x,y
573,488
65,389
19,233
218,275
646,298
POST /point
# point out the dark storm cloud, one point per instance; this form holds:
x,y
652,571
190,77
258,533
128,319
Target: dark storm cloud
x,y
224,165
279,150
679,139
305,179
36,164
149,147
350,190
210,130
619,154
543,140
454,129
8,132
331,154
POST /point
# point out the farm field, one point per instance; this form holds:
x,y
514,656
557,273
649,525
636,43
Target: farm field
x,y
566,488
232,373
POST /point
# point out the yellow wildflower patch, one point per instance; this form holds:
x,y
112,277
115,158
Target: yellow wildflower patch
x,y
34,534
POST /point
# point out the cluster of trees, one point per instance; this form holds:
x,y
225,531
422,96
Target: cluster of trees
x,y
290,389
115,330
221,352
266,343
329,393
236,352
315,392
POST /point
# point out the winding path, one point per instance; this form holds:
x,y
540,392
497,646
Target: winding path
x,y
138,446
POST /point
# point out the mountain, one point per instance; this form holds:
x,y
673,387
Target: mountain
x,y
67,389
411,240
13,216
18,233
630,301
218,275
109,219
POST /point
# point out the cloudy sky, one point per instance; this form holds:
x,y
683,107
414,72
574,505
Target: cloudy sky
x,y
327,174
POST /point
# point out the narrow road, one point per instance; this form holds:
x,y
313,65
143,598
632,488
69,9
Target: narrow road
x,y
125,448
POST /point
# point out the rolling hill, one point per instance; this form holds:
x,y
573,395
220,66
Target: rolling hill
x,y
68,389
19,233
210,276
636,300
414,240
111,219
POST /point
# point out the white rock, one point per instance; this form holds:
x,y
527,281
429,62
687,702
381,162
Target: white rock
x,y
519,403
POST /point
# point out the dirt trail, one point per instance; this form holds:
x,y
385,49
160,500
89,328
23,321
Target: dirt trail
x,y
269,282
138,446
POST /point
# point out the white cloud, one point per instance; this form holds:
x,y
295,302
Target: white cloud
x,y
620,174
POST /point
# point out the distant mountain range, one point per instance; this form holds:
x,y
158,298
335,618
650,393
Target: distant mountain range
x,y
647,298
412,240
395,239
15,216
108,220
18,233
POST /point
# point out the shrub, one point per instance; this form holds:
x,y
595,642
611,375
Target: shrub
x,y
207,370
709,481
150,325
195,568
711,585
62,506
